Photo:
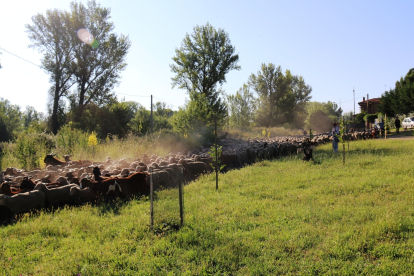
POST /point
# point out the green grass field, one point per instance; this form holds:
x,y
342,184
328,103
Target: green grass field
x,y
280,217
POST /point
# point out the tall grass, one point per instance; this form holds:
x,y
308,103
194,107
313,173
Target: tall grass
x,y
29,150
281,217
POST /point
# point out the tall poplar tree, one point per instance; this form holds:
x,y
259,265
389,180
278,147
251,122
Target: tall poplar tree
x,y
96,68
201,65
52,34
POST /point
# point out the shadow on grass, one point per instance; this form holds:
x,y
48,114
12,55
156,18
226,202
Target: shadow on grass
x,y
6,216
114,205
166,227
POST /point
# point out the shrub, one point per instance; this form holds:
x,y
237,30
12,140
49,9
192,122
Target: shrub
x,y
69,139
29,151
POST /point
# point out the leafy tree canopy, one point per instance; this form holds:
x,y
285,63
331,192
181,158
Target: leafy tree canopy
x,y
10,120
282,97
241,107
92,68
399,100
321,115
200,67
96,70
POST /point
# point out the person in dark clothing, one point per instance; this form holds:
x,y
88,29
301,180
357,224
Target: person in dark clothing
x,y
97,173
307,150
397,125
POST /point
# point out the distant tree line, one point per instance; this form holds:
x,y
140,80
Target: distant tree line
x,y
399,100
116,119
84,59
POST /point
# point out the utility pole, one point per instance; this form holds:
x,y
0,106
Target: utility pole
x,y
151,115
354,106
367,109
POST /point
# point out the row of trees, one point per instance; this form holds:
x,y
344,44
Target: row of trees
x,y
117,118
121,118
84,59
399,100
201,65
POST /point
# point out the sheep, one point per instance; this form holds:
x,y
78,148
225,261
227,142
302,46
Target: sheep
x,y
56,196
23,202
83,195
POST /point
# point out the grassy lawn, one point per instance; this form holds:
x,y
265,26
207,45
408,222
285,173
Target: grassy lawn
x,y
280,217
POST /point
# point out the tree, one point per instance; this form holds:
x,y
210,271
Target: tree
x,y
201,65
96,68
321,115
281,96
140,124
10,120
359,118
192,118
348,116
115,119
389,103
30,115
241,108
405,93
53,36
401,99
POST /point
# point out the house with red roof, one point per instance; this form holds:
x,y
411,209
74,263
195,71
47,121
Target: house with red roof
x,y
370,106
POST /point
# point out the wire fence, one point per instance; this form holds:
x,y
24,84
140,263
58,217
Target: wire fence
x,y
166,201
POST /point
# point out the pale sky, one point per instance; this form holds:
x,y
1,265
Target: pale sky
x,y
334,45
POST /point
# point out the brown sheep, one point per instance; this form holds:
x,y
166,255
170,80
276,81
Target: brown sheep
x,y
84,195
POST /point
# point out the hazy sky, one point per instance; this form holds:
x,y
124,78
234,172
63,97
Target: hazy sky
x,y
334,45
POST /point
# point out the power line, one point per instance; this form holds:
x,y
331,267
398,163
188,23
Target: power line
x,y
21,58
133,95
166,102
147,97
352,99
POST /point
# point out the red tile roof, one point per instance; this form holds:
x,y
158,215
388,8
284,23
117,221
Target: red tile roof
x,y
374,101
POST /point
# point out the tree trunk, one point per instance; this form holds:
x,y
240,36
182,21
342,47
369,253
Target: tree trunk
x,y
55,121
81,107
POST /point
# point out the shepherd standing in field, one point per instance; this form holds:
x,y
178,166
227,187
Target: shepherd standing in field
x,y
397,125
335,140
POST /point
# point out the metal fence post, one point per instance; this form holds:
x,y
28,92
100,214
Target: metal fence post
x,y
152,201
181,198
215,145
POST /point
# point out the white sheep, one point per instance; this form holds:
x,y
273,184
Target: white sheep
x,y
23,202
56,196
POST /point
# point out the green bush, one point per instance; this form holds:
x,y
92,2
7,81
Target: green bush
x,y
370,117
29,151
69,139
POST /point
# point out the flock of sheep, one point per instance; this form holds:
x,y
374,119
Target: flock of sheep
x,y
77,182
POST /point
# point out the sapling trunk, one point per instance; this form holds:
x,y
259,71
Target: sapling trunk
x,y
341,138
343,152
